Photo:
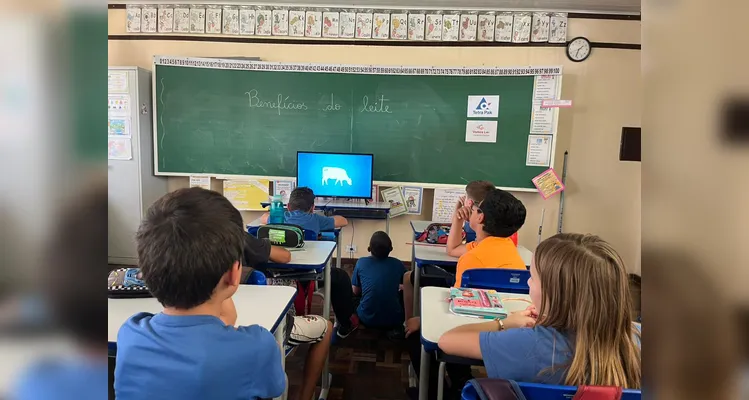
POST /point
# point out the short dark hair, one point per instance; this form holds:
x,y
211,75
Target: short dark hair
x,y
188,240
380,245
503,213
477,190
301,198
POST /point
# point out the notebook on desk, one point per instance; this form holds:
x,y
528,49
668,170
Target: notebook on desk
x,y
478,303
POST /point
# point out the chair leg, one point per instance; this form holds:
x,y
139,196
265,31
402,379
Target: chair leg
x,y
441,380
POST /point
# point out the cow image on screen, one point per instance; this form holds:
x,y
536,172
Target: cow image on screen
x,y
339,174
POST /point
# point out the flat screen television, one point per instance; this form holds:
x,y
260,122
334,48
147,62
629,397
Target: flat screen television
x,y
346,175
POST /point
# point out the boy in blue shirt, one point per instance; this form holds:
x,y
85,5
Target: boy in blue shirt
x,y
302,213
190,247
377,279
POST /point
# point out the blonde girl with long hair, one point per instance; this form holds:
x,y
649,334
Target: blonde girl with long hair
x,y
578,330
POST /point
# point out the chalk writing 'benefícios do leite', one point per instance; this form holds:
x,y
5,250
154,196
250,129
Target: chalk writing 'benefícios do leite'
x,y
282,102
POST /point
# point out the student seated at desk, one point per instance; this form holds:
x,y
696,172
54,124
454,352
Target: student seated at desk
x,y
578,330
190,248
377,279
301,212
495,219
475,193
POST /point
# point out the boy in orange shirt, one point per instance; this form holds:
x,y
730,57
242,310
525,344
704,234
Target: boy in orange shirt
x,y
495,219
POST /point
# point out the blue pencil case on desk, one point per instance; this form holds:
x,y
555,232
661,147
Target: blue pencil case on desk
x,y
478,303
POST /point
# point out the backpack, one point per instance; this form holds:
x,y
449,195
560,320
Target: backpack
x,y
286,235
436,233
126,283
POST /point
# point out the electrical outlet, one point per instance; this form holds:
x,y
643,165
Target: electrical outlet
x,y
351,248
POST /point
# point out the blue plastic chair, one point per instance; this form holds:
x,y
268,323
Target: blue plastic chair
x,y
537,391
503,280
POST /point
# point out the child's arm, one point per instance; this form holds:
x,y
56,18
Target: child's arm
x,y
279,255
228,312
339,222
264,218
463,341
355,285
455,246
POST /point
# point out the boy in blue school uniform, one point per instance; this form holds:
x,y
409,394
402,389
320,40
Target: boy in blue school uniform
x,y
302,213
377,279
190,247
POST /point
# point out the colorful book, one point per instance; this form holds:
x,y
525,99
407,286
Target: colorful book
x,y
477,303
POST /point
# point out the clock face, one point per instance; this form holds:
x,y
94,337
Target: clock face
x,y
578,49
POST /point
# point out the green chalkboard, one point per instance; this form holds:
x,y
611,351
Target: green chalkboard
x,y
252,122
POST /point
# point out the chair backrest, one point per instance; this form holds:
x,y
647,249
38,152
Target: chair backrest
x,y
504,280
310,235
537,391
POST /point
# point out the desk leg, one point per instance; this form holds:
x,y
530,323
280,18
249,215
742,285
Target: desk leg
x,y
417,287
424,375
326,314
279,335
338,250
387,223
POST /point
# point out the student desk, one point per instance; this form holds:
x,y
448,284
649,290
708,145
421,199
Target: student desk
x,y
436,319
256,305
348,205
337,231
315,256
422,254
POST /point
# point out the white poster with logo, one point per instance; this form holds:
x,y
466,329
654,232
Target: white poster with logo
x,y
481,131
483,106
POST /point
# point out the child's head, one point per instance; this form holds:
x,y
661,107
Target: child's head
x,y
580,286
302,199
498,214
476,191
380,245
190,248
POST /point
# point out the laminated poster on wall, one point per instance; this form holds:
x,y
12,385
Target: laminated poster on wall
x,y
280,22
503,27
399,26
263,23
347,24
416,26
148,19
479,131
450,27
119,149
468,26
545,87
394,196
540,27
213,19
314,24
283,189
433,27
558,28
542,119
182,19
118,126
231,21
117,81
486,27
548,183
539,150
521,28
247,21
118,105
413,196
247,195
330,24
364,25
197,19
444,203
380,25
133,19
201,182
296,23
166,19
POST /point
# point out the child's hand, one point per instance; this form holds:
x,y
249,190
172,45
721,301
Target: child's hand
x,y
462,214
520,319
413,325
533,310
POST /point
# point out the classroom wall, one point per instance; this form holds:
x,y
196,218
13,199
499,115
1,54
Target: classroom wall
x,y
603,194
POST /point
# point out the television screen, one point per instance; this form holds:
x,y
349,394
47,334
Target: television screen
x,y
335,174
